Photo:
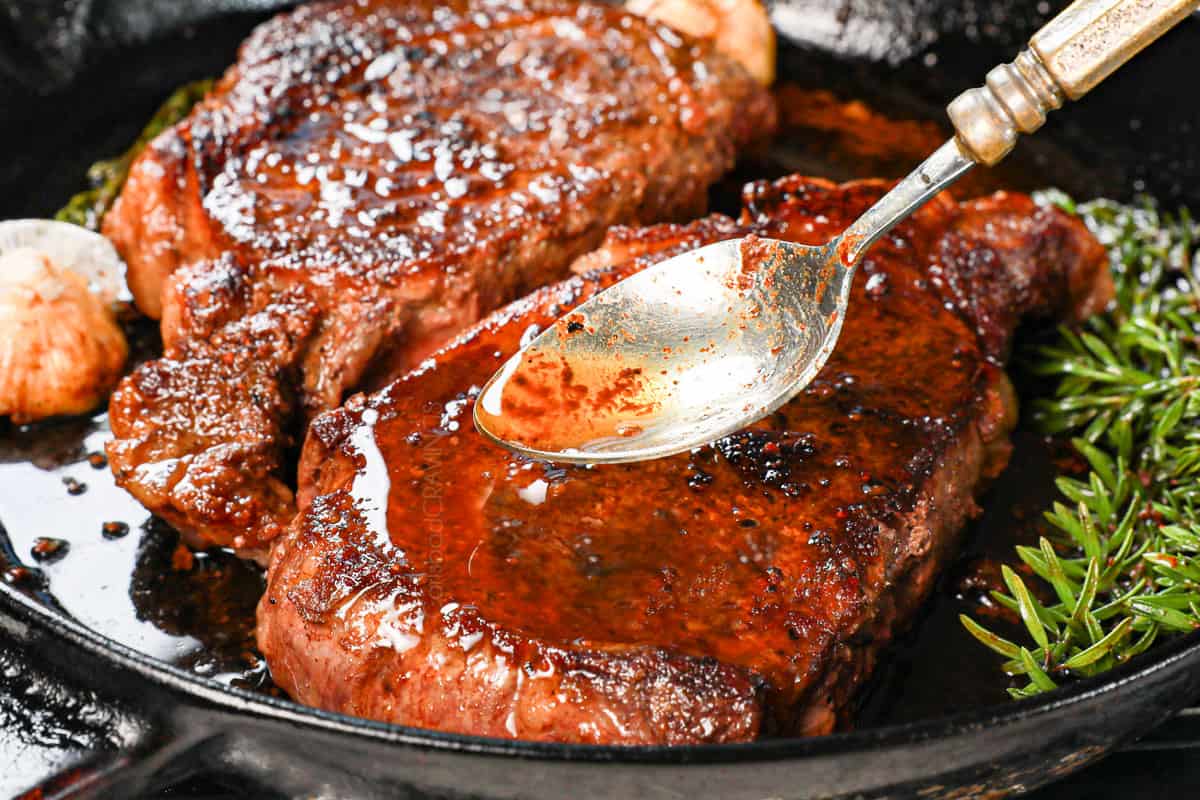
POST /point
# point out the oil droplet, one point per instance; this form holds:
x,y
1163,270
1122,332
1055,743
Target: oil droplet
x,y
877,285
47,550
74,487
534,493
98,460
24,577
114,530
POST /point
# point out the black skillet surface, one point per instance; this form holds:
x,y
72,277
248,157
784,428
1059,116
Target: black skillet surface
x,y
184,689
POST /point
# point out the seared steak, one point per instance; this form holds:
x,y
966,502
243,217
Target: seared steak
x,y
746,588
367,180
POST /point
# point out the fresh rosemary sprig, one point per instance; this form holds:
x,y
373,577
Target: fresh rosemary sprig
x,y
1122,563
107,177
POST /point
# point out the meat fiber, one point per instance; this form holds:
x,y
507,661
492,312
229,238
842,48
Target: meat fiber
x,y
743,589
368,179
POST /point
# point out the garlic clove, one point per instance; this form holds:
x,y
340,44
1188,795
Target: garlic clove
x,y
741,29
71,247
61,349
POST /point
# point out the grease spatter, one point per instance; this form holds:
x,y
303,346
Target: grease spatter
x,y
74,487
97,460
114,530
756,252
47,550
24,577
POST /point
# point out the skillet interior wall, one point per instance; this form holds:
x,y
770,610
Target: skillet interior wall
x,y
79,77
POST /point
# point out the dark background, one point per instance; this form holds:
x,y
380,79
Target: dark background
x,y
79,77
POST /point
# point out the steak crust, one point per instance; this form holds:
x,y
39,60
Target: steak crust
x,y
368,179
743,589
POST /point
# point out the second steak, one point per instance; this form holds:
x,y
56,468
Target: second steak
x,y
368,179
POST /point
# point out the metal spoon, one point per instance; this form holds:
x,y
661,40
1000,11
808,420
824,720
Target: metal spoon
x,y
710,341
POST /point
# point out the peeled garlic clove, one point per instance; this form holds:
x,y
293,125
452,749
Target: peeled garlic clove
x,y
70,247
741,29
61,350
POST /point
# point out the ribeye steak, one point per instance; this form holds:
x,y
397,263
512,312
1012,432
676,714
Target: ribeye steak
x,y
368,179
434,579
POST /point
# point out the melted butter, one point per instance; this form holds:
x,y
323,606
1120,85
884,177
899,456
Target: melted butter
x,y
42,506
371,485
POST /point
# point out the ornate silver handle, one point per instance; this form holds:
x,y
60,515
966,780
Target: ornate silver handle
x,y
1073,52
1070,55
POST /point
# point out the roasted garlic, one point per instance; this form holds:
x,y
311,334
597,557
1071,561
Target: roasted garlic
x,y
741,28
61,350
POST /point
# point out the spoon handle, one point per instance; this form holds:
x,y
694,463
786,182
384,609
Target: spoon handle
x,y
1070,55
1065,59
944,167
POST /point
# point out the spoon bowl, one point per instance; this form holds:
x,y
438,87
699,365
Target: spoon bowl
x,y
707,339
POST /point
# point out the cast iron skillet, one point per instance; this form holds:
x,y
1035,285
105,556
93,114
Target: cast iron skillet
x,y
904,59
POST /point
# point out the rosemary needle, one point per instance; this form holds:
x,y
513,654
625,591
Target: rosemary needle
x,y
1123,558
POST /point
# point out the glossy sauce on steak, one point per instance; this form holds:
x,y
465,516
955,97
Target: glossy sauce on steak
x,y
434,579
367,180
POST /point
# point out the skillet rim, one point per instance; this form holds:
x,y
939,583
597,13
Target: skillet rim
x,y
197,689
